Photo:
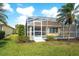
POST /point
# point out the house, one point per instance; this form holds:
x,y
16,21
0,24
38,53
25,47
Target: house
x,y
8,29
38,28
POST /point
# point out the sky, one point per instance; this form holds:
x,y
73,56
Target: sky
x,y
18,12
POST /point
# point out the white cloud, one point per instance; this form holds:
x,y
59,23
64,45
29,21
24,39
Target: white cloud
x,y
51,12
25,12
21,20
28,11
7,7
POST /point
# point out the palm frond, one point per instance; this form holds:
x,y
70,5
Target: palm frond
x,y
2,14
3,18
66,13
1,4
60,19
3,21
76,7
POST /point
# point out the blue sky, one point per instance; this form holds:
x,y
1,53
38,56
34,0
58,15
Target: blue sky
x,y
18,12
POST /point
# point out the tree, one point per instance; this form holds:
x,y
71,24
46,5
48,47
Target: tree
x,y
16,26
2,14
67,14
21,33
26,27
21,30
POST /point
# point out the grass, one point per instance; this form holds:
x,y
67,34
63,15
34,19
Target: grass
x,y
50,48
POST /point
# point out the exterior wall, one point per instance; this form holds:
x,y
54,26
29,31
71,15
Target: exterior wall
x,y
0,27
53,34
7,30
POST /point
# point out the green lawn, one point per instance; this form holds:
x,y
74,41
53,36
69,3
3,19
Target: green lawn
x,y
51,48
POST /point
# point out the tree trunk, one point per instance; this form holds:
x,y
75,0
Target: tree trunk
x,y
69,32
26,30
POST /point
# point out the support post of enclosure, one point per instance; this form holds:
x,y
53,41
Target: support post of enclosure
x,y
41,28
30,33
47,27
33,29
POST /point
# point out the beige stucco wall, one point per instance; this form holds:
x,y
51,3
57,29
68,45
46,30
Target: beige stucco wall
x,y
7,30
52,34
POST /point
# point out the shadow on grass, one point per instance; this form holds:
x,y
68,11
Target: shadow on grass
x,y
3,43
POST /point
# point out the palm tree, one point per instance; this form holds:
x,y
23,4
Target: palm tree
x,y
67,14
2,14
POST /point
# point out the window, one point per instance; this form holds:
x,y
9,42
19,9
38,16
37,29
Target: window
x,y
53,30
37,28
37,33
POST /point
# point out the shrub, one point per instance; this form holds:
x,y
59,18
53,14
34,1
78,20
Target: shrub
x,y
12,37
2,34
50,38
23,39
20,32
28,39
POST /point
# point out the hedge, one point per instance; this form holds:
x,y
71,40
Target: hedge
x,y
49,38
2,34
